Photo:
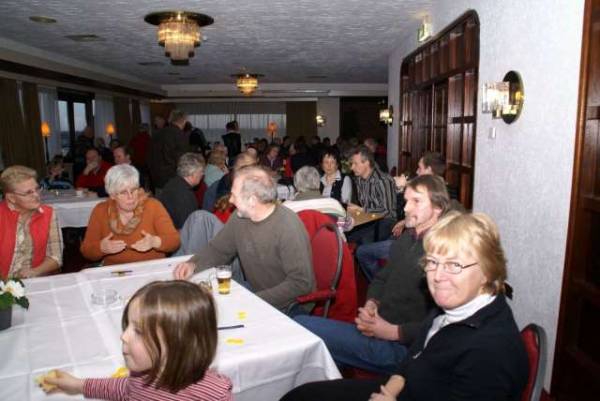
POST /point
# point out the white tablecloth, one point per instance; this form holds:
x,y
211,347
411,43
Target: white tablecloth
x,y
63,329
72,211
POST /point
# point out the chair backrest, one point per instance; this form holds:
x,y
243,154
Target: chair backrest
x,y
199,228
210,197
327,250
534,339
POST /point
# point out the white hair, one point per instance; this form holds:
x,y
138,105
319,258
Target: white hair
x,y
121,176
307,179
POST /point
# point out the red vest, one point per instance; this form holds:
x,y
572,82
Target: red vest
x,y
39,227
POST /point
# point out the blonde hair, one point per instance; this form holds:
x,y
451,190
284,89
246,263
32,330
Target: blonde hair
x,y
217,158
178,326
476,235
14,175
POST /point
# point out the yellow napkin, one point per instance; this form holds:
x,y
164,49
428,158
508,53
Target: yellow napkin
x,y
122,371
41,381
234,341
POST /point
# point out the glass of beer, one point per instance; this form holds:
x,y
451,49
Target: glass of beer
x,y
224,279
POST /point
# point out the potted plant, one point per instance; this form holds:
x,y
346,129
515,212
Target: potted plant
x,y
12,292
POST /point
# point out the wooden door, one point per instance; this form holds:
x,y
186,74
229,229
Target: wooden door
x,y
576,374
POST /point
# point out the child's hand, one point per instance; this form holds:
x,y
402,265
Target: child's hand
x,y
66,383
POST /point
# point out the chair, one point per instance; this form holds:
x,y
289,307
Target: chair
x,y
534,339
327,255
199,228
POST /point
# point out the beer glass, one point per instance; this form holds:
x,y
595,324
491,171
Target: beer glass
x,y
223,274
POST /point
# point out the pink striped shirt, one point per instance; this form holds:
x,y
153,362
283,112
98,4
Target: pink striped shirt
x,y
213,387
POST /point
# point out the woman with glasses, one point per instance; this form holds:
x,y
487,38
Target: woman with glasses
x,y
469,348
130,226
30,240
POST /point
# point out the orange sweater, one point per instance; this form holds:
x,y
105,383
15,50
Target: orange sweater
x,y
155,221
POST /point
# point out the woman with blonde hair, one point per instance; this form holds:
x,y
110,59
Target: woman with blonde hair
x,y
216,167
469,347
130,226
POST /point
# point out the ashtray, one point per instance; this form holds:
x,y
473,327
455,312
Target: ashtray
x,y
104,297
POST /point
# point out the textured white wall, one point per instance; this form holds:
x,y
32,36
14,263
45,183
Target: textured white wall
x,y
329,107
523,177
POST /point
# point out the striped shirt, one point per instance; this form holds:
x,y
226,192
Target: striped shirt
x,y
213,387
377,193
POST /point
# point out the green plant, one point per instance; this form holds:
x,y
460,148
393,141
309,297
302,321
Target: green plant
x,y
12,291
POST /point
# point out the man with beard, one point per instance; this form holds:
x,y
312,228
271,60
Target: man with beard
x,y
397,298
269,239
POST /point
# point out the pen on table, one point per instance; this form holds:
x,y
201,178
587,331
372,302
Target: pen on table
x,y
237,326
121,272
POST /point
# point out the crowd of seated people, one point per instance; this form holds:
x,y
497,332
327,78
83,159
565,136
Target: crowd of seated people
x,y
439,296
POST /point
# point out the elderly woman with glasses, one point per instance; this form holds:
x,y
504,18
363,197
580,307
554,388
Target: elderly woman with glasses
x,y
129,226
30,240
469,348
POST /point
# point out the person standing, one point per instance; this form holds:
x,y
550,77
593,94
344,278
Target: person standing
x,y
232,139
168,144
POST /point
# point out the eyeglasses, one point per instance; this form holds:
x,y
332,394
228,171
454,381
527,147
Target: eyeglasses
x,y
31,192
128,192
430,264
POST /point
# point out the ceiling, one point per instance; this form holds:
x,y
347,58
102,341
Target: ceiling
x,y
302,41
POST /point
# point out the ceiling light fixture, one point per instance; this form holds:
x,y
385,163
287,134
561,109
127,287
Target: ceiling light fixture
x,y
247,83
179,33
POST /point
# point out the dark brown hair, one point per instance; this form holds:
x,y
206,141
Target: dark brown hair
x,y
436,162
179,328
436,189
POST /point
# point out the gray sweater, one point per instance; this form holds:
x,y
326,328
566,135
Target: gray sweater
x,y
275,254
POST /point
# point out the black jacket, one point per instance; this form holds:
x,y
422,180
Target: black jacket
x,y
178,198
233,142
479,358
168,144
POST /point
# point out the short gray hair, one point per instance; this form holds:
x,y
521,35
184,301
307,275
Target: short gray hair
x,y
120,176
189,163
307,179
257,181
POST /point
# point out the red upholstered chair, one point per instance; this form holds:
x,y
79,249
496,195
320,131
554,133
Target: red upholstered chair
x,y
534,338
333,264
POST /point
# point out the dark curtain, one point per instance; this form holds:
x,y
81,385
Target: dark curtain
x,y
33,129
123,120
15,139
301,119
136,115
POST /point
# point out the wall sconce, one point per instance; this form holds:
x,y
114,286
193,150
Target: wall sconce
x,y
386,116
321,120
46,134
504,99
272,128
110,129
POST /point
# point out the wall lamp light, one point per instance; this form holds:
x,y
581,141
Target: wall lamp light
x,y
321,120
504,99
386,116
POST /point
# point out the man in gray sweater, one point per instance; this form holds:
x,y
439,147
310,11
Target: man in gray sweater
x,y
269,239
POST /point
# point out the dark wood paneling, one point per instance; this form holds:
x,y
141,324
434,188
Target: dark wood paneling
x,y
439,101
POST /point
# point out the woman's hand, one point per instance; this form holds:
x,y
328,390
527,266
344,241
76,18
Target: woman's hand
x,y
371,324
66,383
148,242
108,246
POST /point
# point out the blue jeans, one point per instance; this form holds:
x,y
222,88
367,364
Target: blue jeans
x,y
368,256
349,347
